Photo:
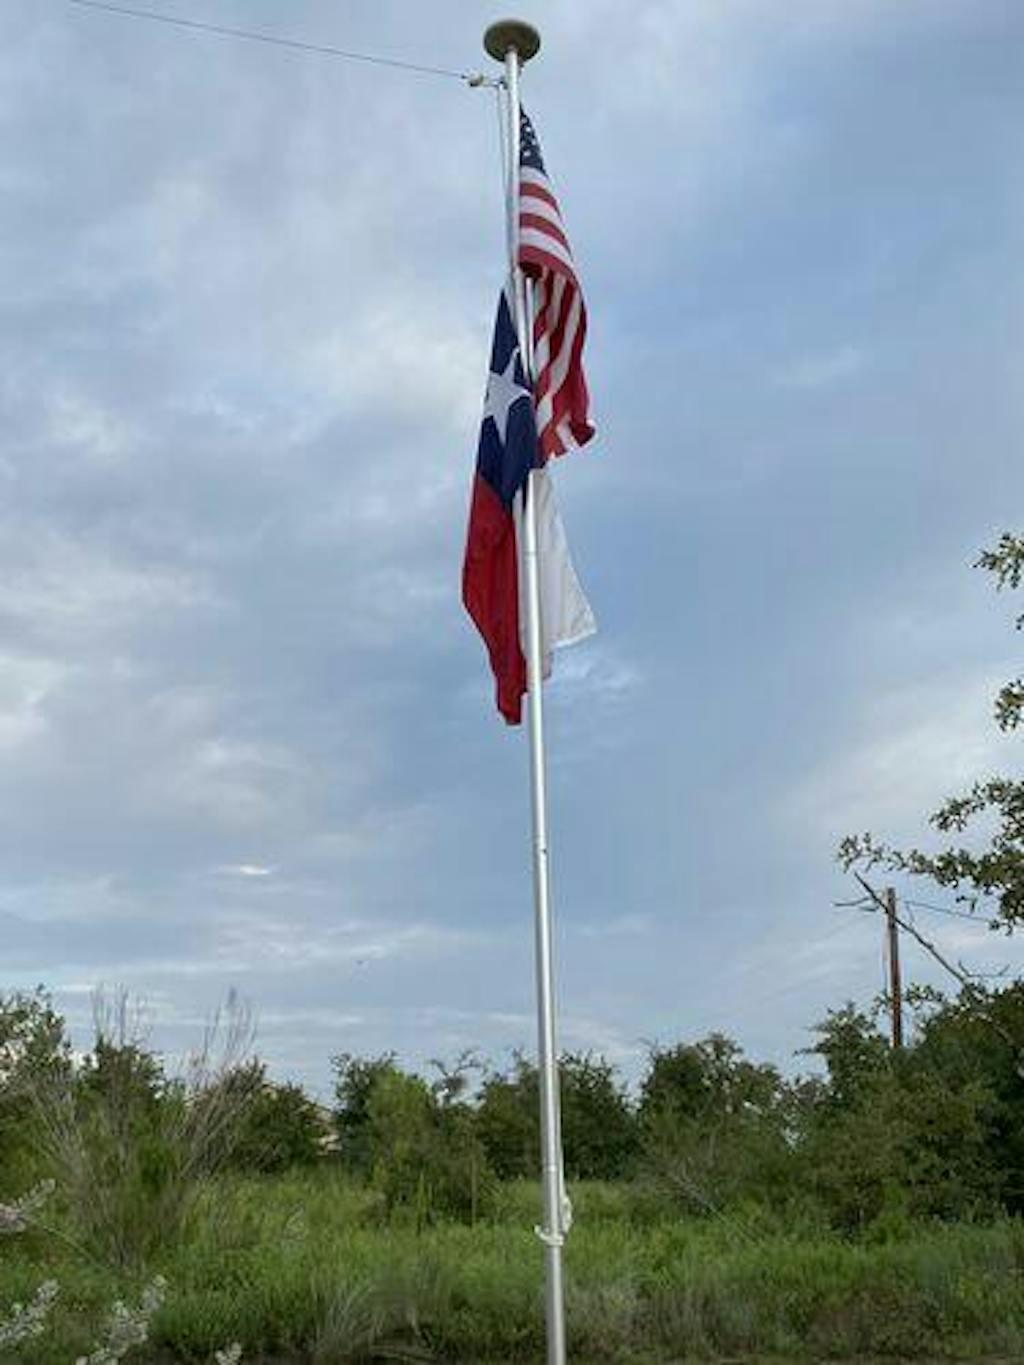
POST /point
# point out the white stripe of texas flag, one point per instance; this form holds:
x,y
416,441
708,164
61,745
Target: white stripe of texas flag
x,y
565,614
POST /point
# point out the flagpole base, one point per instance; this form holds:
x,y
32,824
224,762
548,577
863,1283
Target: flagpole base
x,y
509,34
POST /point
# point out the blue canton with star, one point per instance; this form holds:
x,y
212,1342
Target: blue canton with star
x,y
529,147
508,447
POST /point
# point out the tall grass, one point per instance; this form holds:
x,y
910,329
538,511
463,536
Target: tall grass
x,y
300,1268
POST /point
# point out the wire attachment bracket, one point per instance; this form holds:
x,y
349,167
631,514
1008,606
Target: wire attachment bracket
x,y
550,1239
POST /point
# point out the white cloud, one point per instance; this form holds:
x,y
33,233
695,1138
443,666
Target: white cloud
x,y
820,371
64,588
909,748
484,1028
92,430
412,353
592,672
26,686
66,900
238,783
622,926
244,945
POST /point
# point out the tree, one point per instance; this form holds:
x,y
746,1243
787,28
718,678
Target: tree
x,y
453,1083
33,1039
279,1126
401,1114
599,1137
855,1054
508,1119
715,1127
356,1078
906,1132
417,1144
997,871
599,1130
710,1078
976,1040
34,1052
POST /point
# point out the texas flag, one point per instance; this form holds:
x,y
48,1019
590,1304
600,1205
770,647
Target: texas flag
x,y
492,586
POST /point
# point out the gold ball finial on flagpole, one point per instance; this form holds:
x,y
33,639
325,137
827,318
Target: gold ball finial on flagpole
x,y
512,33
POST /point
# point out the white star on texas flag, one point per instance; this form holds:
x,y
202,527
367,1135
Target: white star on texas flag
x,y
502,392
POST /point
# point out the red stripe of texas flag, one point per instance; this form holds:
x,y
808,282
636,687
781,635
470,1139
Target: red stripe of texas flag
x,y
490,591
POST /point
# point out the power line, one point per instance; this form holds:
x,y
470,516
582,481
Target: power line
x,y
959,972
791,985
294,44
864,903
947,910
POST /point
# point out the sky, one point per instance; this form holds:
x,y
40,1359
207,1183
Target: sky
x,y
247,736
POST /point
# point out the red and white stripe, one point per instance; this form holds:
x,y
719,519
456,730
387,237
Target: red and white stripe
x,y
559,319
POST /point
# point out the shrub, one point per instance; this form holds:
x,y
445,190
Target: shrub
x,y
131,1147
427,1158
279,1126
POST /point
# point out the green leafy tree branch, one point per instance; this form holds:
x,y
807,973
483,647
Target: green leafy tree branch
x,y
995,872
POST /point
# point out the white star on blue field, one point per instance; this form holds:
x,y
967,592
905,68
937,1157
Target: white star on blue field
x,y
247,731
503,390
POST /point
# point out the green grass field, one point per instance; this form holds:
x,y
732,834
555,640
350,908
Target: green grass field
x,y
301,1268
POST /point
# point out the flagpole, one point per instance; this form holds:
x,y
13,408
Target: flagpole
x,y
513,43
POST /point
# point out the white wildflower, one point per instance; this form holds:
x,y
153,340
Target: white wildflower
x,y
28,1320
231,1355
128,1327
16,1217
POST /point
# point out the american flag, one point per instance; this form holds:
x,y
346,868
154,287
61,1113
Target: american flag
x,y
560,317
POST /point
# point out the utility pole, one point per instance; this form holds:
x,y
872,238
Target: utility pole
x,y
966,979
895,987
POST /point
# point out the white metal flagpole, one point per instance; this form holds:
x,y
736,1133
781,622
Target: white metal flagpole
x,y
513,42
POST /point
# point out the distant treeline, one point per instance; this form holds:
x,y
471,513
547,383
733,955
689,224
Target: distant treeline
x,y
935,1130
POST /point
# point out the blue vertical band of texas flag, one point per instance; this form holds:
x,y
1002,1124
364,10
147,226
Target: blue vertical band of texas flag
x,y
507,451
